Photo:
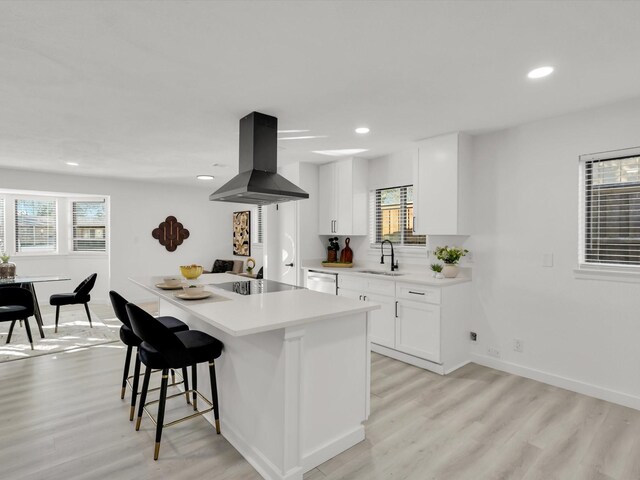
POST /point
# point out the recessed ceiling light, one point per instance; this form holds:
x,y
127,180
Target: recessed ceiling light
x,y
303,138
72,164
341,153
292,131
540,72
205,177
362,130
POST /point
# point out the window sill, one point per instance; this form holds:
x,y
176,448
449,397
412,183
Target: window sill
x,y
607,274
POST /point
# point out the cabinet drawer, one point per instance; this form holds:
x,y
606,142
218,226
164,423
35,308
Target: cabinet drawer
x,y
418,293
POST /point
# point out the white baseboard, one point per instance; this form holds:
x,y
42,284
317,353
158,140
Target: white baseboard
x,y
577,386
257,460
333,448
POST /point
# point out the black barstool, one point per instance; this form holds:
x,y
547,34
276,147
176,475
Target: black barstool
x,y
163,349
131,340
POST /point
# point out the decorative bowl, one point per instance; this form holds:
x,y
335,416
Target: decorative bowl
x,y
191,272
193,289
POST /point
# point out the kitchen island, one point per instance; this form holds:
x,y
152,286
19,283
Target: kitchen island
x,y
293,380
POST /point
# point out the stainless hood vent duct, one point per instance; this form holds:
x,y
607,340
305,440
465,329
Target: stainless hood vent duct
x,y
258,181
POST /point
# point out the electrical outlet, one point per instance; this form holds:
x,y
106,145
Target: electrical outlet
x,y
473,336
493,352
517,345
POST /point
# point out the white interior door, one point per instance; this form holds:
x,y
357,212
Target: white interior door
x,y
282,257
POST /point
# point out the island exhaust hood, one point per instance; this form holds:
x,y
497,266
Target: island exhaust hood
x,y
258,181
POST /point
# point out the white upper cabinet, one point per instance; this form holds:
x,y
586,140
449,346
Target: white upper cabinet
x,y
442,186
342,202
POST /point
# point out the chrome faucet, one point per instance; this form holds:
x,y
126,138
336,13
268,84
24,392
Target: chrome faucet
x,y
394,263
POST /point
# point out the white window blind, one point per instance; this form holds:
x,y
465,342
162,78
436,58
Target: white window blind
x,y
611,211
3,242
36,226
391,216
89,230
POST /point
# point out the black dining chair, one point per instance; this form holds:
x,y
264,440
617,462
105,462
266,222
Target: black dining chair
x,y
131,340
163,349
16,304
79,296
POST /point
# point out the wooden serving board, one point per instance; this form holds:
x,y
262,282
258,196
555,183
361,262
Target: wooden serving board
x,y
337,265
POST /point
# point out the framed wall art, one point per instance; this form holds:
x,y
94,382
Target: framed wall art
x,y
242,233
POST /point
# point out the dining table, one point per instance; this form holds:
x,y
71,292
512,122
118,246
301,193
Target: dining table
x,y
27,281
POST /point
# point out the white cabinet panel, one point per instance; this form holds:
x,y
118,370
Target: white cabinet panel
x,y
441,190
342,205
382,322
418,330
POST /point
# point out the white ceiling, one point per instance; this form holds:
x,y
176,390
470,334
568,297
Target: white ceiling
x,y
156,89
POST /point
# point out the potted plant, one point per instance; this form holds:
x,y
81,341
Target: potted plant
x,y
7,268
436,268
450,257
332,250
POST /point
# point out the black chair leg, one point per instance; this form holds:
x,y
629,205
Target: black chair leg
x,y
127,363
57,317
86,308
13,324
185,377
161,405
214,394
134,389
194,380
143,396
26,326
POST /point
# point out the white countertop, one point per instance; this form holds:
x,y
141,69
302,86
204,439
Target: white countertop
x,y
240,315
422,278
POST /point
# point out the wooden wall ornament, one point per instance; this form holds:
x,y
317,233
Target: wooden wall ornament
x,y
170,233
242,233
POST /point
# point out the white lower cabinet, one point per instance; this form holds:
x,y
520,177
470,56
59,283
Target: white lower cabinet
x,y
422,325
418,330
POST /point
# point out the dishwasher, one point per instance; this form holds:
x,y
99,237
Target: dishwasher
x,y
322,282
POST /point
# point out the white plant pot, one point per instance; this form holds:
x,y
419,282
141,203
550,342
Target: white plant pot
x,y
450,271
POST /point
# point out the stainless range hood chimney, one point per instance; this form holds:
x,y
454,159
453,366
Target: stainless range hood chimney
x,y
258,181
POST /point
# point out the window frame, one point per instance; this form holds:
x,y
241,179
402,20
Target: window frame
x,y
107,229
374,196
14,221
589,270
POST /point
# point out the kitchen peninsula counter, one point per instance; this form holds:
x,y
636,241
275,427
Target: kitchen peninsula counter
x,y
294,376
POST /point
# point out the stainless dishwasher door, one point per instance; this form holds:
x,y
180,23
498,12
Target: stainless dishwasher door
x,y
322,282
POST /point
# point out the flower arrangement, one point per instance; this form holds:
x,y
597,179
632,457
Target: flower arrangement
x,y
436,267
4,257
450,256
333,244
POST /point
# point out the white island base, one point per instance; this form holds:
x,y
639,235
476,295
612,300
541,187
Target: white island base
x,y
290,398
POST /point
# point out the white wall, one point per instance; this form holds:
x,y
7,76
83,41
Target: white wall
x,y
136,209
582,334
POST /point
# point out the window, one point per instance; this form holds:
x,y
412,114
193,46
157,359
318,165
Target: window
x,y
89,226
391,212
36,226
611,209
3,245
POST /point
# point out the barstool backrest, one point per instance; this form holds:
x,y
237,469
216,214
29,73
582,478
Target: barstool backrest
x,y
17,296
119,304
151,331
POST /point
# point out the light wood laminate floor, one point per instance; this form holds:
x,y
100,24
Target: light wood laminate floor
x,y
61,418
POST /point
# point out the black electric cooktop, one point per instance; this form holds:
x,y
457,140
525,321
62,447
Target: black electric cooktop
x,y
252,287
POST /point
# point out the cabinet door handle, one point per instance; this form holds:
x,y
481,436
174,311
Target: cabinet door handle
x,y
335,227
416,293
396,309
364,297
360,297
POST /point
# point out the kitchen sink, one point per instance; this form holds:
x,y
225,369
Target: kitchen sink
x,y
378,272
